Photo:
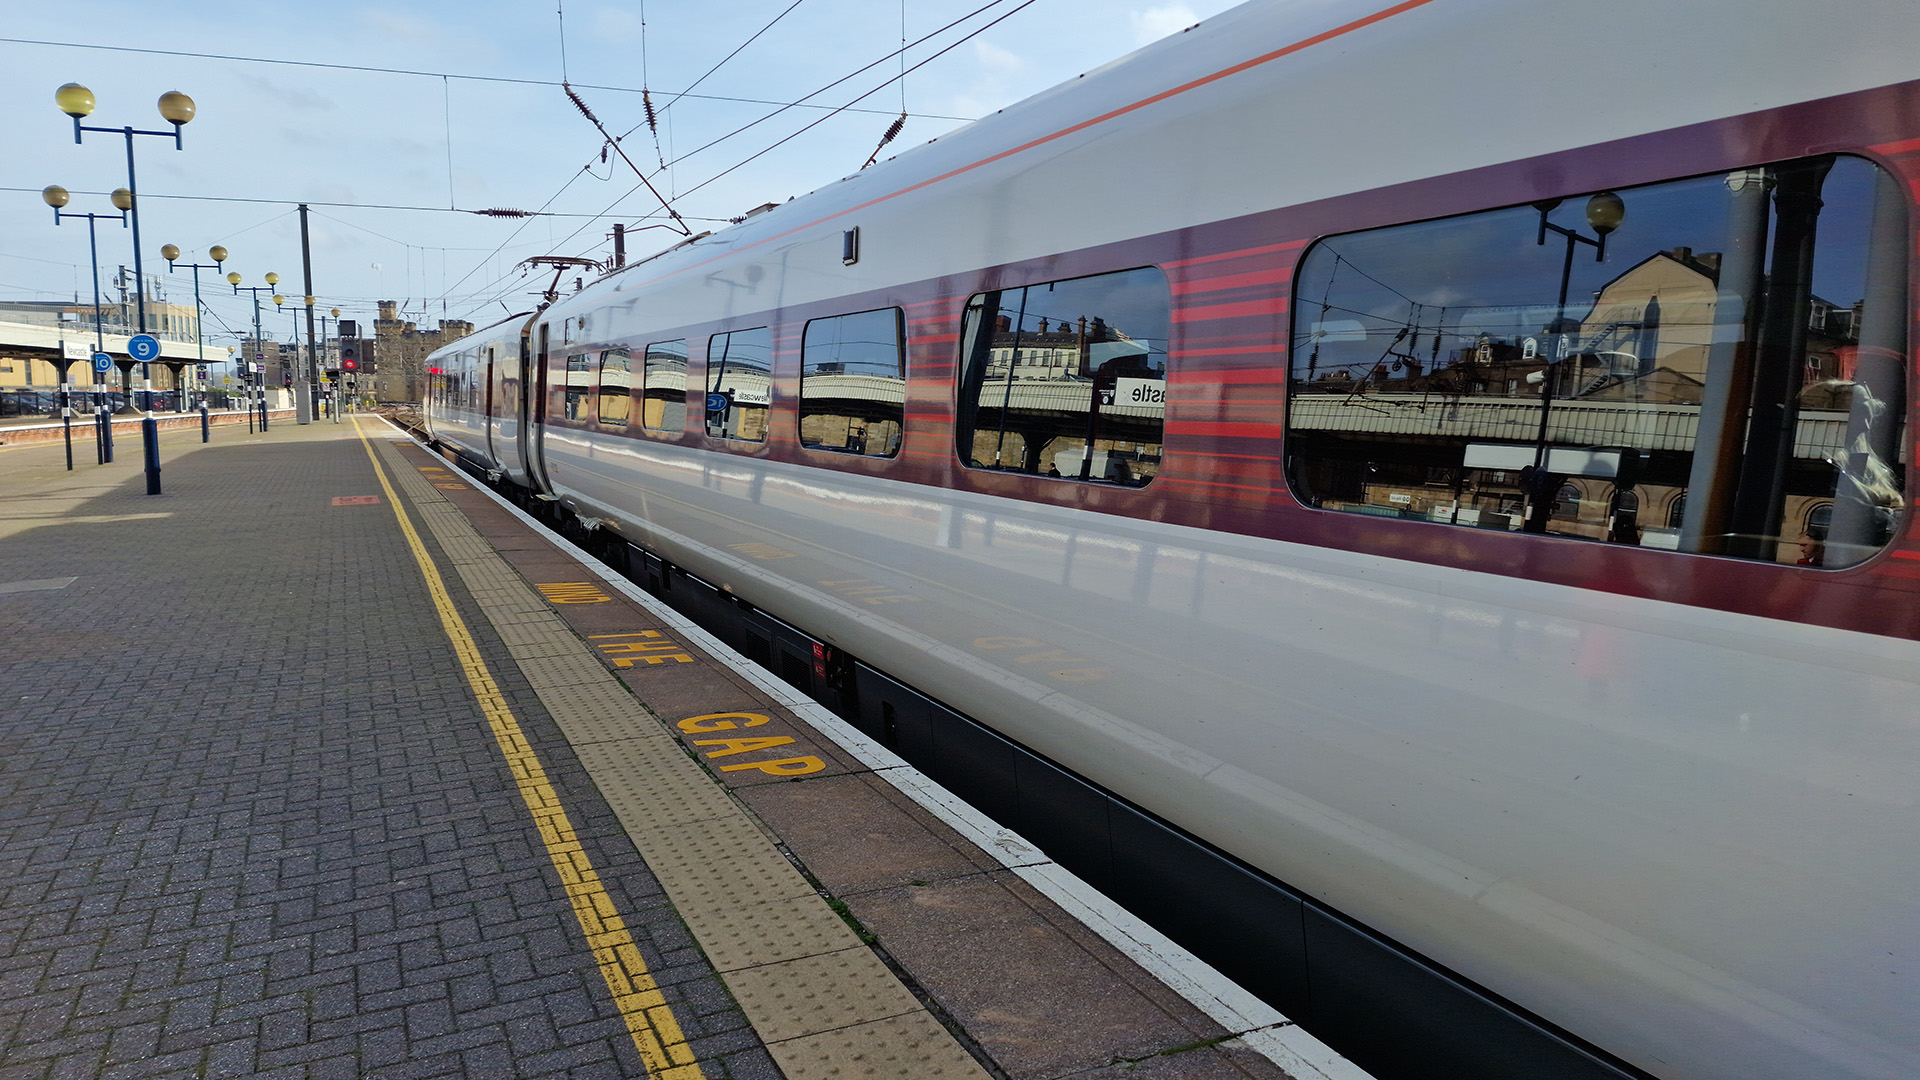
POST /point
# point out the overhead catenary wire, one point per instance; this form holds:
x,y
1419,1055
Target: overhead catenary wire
x,y
783,108
646,97
801,102
490,212
684,228
367,68
949,48
723,60
963,40
832,112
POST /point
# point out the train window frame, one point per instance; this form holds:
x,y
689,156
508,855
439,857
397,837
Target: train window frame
x,y
1687,383
625,395
877,436
1129,462
576,396
667,402
725,424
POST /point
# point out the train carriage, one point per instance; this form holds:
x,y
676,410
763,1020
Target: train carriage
x,y
1410,501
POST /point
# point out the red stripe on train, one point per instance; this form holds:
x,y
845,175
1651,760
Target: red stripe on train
x,y
1291,245
1225,429
1234,281
1273,305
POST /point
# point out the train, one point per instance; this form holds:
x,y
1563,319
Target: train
x,y
1408,498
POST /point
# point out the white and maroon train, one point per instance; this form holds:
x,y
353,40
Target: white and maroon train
x,y
1410,497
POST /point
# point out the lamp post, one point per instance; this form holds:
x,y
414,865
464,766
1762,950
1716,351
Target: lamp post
x,y
219,255
303,394
57,197
337,391
260,386
1605,212
175,108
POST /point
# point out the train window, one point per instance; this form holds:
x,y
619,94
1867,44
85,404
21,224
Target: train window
x,y
739,384
616,387
853,386
1470,370
579,385
1068,378
663,387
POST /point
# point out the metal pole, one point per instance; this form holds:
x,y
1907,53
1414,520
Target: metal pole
x,y
306,265
302,391
260,377
149,428
102,424
66,409
199,337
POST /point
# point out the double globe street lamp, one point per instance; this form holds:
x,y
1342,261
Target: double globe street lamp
x,y
57,197
219,255
177,109
255,365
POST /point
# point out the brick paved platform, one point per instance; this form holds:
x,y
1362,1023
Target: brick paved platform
x,y
291,788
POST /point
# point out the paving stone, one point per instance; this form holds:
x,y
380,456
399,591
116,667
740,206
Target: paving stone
x,y
270,832
972,941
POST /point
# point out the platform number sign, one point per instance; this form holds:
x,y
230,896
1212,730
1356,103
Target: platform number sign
x,y
143,347
102,362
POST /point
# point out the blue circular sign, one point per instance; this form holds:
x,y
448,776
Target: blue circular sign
x,y
718,402
143,347
102,362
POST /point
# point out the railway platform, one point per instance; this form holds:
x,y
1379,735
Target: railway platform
x,y
324,762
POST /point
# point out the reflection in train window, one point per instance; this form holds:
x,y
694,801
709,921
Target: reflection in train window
x,y
579,385
663,387
1068,378
739,384
1468,370
616,387
853,386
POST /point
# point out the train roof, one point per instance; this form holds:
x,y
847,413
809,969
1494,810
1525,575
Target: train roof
x,y
1281,102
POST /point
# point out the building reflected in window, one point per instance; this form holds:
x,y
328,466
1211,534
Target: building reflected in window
x,y
1437,373
1068,379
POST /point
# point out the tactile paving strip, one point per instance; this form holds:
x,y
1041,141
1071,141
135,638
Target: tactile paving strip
x,y
797,969
588,721
647,789
712,859
561,672
901,1046
754,934
820,993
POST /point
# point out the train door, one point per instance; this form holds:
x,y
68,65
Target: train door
x,y
506,421
485,418
533,413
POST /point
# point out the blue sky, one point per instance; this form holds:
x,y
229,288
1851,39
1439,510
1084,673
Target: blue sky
x,y
278,131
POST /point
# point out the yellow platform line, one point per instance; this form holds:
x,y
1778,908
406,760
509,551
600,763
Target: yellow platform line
x,y
656,1033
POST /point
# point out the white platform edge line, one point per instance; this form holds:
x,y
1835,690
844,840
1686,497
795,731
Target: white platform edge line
x,y
1259,1025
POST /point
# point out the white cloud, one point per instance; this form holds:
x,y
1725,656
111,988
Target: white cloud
x,y
994,58
1157,22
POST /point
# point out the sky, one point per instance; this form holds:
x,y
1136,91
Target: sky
x,y
468,114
